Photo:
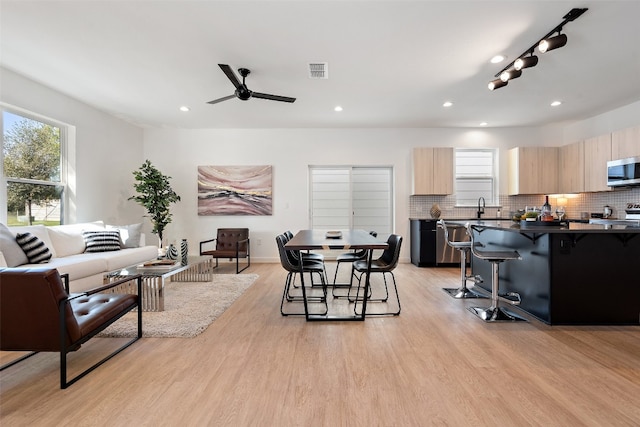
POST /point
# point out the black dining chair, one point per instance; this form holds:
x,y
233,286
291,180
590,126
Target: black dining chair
x,y
387,262
348,257
292,265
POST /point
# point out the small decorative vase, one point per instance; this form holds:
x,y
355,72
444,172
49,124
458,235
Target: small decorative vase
x,y
172,252
435,211
184,251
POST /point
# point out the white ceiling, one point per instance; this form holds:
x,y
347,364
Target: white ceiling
x,y
391,63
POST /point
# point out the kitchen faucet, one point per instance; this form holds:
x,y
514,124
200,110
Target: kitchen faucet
x,y
481,206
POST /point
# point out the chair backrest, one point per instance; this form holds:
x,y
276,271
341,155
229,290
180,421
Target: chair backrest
x,y
29,310
227,239
391,255
286,258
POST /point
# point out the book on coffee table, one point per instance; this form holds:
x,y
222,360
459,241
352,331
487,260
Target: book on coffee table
x,y
157,264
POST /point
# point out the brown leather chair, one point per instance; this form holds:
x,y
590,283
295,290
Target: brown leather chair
x,y
230,243
37,313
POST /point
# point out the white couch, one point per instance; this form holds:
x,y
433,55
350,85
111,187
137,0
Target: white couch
x,y
67,246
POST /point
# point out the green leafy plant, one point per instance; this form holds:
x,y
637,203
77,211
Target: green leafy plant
x,y
156,195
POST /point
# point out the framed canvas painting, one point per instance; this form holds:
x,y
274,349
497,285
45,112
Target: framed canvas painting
x,y
234,190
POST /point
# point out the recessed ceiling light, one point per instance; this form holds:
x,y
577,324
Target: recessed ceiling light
x,y
498,58
556,103
447,104
484,124
184,108
338,108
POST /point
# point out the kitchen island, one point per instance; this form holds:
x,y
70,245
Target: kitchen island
x,y
571,274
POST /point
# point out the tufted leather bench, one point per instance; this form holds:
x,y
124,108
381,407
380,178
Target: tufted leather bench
x,y
38,314
232,243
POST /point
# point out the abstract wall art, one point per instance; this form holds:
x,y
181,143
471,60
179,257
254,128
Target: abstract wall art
x,y
234,190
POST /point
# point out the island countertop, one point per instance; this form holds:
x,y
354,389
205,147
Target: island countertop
x,y
572,227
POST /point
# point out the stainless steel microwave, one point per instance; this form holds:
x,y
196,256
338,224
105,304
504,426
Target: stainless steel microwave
x,y
623,172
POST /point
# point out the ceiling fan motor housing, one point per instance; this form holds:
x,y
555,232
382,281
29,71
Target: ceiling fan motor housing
x,y
243,93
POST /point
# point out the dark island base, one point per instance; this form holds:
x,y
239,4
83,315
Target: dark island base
x,y
570,278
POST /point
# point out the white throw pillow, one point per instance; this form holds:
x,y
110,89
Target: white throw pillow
x,y
13,254
129,234
67,239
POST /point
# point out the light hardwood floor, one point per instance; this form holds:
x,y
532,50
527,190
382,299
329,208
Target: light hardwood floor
x,y
435,364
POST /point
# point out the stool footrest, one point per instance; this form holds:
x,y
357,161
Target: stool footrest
x,y
512,298
495,314
462,293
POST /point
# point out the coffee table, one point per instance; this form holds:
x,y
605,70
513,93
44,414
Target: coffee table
x,y
197,269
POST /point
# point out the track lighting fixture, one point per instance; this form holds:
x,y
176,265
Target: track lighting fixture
x,y
527,59
507,75
526,62
497,84
552,43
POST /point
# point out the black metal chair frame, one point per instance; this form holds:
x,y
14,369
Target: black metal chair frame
x,y
349,257
67,348
292,265
385,264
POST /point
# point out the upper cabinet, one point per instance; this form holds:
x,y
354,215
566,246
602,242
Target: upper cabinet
x,y
432,171
571,168
597,152
533,170
625,143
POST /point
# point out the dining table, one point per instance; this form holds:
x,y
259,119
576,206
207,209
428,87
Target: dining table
x,y
353,239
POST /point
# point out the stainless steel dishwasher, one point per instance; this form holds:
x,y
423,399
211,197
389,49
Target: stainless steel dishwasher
x,y
445,254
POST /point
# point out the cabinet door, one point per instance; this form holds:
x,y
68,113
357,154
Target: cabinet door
x,y
597,152
625,143
533,170
571,168
432,171
443,171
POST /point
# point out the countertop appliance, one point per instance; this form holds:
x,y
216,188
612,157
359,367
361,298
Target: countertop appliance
x,y
633,211
632,217
623,172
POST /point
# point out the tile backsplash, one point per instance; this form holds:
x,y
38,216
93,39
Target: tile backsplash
x,y
576,204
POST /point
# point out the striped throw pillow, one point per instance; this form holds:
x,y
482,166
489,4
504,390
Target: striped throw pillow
x,y
101,241
34,248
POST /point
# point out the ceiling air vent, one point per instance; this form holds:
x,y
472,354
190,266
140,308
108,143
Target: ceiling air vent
x,y
318,70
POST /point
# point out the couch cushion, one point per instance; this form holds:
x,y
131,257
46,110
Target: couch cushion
x,y
79,266
34,248
102,241
67,239
12,252
129,234
129,256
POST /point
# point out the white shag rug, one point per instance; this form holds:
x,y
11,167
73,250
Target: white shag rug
x,y
189,308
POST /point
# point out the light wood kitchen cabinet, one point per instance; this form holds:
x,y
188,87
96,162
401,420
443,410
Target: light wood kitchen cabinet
x,y
571,168
597,152
533,170
625,143
432,171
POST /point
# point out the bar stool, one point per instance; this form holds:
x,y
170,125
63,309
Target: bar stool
x,y
463,247
495,313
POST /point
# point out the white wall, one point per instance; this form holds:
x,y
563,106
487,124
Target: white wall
x,y
103,150
177,153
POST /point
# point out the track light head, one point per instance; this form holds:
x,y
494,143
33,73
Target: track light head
x,y
526,62
552,43
511,74
496,84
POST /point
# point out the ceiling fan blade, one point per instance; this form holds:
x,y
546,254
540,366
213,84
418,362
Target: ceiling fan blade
x,y
272,97
215,101
232,76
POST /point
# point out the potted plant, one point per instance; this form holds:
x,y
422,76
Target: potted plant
x,y
156,195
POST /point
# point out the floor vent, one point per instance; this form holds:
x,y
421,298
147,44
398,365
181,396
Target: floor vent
x,y
318,70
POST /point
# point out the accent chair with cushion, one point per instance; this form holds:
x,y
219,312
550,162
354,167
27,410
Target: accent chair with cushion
x,y
232,243
37,313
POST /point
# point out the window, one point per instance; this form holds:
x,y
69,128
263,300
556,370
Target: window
x,y
352,197
476,176
32,169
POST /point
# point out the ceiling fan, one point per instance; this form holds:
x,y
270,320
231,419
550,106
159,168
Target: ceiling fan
x,y
242,91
